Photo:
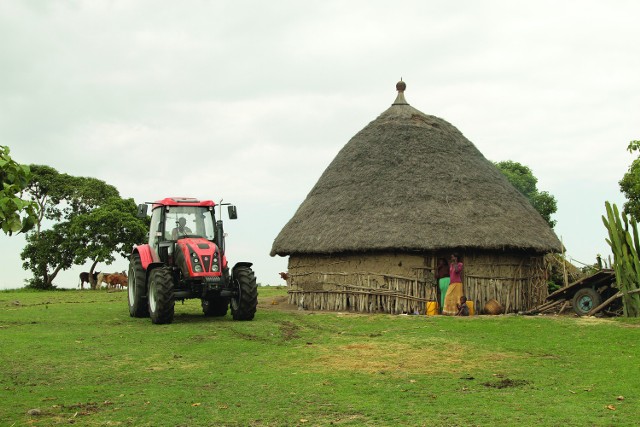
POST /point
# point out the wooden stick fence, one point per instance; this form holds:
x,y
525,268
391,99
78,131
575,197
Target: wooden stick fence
x,y
518,285
363,292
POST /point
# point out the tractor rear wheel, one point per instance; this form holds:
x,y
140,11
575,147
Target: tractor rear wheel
x,y
161,303
585,300
137,289
215,307
244,304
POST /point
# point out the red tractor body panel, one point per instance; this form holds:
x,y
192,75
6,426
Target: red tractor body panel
x,y
147,255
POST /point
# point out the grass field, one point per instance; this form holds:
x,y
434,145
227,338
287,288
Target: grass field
x,y
76,357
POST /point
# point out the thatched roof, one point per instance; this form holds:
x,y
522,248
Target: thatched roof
x,y
409,181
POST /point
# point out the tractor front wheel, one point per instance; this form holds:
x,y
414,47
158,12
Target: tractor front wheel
x,y
137,288
215,307
161,303
585,300
244,304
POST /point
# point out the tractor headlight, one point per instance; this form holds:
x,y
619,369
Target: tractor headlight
x,y
197,268
214,264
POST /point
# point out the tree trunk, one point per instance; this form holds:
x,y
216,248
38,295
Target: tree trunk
x,y
49,277
92,281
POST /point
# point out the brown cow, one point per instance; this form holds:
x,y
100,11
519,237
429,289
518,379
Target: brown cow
x,y
116,280
113,280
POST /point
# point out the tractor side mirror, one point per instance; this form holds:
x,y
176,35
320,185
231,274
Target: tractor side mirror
x,y
233,212
142,211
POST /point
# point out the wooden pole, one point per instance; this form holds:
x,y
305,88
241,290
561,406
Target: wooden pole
x,y
563,307
564,264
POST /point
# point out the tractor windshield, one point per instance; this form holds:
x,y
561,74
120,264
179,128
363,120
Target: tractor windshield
x,y
175,222
192,221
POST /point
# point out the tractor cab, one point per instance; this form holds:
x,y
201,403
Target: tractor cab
x,y
174,219
174,223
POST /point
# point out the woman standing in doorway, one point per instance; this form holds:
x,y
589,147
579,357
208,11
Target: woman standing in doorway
x,y
442,276
455,290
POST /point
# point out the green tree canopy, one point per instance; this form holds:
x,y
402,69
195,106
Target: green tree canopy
x,y
60,196
630,184
90,222
521,177
16,214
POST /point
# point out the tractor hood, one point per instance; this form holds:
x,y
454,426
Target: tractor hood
x,y
199,257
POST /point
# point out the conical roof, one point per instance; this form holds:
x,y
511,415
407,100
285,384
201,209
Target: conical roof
x,y
409,181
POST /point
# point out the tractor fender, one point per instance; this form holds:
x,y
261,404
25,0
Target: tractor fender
x,y
147,255
240,264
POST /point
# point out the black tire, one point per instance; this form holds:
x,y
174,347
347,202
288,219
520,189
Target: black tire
x,y
245,303
215,307
585,300
161,303
137,288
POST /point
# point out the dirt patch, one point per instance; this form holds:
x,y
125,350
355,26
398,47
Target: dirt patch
x,y
289,330
280,302
246,336
587,320
391,358
629,325
506,383
88,408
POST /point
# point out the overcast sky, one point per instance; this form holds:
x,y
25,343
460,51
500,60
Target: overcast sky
x,y
249,101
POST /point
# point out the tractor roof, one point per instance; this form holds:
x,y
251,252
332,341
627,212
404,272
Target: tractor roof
x,y
183,201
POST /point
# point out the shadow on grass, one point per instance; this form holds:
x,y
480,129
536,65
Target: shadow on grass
x,y
200,318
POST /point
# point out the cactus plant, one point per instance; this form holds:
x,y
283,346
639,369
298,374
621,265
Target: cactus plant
x,y
625,245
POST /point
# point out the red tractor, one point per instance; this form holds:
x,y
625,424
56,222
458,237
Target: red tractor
x,y
185,258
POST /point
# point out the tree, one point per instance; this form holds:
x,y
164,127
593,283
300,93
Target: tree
x,y
16,214
630,184
521,177
47,253
90,219
60,196
111,228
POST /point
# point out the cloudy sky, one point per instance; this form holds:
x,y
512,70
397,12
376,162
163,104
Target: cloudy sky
x,y
249,101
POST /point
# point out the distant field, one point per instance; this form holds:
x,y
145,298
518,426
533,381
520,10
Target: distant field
x,y
76,357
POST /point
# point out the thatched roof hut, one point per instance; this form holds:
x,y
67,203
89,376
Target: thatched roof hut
x,y
411,183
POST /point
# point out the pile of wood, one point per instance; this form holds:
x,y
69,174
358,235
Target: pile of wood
x,y
549,306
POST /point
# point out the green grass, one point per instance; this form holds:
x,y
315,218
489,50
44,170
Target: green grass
x,y
77,357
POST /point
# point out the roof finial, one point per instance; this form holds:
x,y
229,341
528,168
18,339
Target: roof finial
x,y
400,87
